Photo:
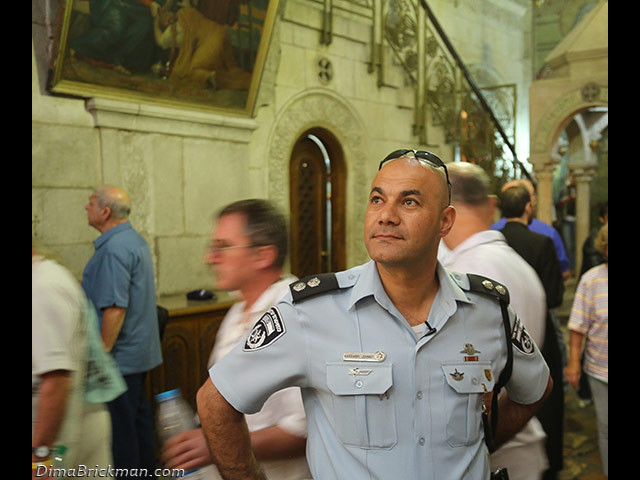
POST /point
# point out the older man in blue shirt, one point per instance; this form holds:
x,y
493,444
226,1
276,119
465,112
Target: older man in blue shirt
x,y
119,280
393,357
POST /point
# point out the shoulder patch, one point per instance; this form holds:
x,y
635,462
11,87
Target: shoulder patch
x,y
480,284
267,330
521,338
313,285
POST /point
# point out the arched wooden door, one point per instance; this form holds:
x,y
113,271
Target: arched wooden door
x,y
317,202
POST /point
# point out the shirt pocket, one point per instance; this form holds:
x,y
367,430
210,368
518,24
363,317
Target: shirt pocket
x,y
463,392
363,407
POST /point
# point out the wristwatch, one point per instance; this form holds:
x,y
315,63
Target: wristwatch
x,y
41,452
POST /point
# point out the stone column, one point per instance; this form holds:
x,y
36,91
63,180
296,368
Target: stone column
x,y
544,168
583,175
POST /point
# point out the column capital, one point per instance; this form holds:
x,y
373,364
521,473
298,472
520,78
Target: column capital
x,y
583,172
543,162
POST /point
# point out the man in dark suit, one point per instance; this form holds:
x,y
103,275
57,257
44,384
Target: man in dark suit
x,y
539,252
536,249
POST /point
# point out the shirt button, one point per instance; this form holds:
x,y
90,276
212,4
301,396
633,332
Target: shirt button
x,y
419,395
421,441
359,384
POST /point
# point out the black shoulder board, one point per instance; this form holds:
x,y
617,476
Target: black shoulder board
x,y
312,285
480,284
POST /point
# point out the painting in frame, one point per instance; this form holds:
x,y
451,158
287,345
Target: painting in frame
x,y
201,54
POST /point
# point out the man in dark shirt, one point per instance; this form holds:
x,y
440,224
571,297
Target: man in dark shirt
x,y
539,252
536,249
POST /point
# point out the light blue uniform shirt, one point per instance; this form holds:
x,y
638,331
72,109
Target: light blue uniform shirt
x,y
120,274
415,413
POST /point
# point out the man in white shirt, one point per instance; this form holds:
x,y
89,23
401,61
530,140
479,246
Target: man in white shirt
x,y
471,247
247,253
61,415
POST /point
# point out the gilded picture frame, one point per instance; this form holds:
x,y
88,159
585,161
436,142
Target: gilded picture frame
x,y
206,55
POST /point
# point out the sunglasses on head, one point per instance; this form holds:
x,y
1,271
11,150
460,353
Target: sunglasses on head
x,y
422,156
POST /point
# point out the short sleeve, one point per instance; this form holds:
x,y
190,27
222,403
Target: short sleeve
x,y
55,314
530,373
112,280
581,310
272,357
283,409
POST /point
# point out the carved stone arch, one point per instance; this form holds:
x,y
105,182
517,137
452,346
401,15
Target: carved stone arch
x,y
325,109
553,104
551,124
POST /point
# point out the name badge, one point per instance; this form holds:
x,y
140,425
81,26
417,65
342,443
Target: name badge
x,y
378,356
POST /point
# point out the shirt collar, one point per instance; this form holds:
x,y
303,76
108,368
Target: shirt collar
x,y
480,238
102,239
368,283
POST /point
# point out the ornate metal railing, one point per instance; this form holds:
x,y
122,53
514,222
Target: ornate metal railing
x,y
491,145
478,121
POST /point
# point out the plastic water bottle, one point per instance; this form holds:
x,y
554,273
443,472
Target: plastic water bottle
x,y
58,459
175,416
57,466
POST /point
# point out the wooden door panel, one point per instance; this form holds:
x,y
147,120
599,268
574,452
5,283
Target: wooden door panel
x,y
308,180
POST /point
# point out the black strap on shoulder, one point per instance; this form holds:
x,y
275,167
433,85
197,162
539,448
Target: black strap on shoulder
x,y
485,285
312,285
504,377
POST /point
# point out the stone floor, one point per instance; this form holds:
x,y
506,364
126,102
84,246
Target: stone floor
x,y
581,454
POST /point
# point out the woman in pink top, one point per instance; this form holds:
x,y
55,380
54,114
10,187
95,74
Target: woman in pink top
x,y
590,319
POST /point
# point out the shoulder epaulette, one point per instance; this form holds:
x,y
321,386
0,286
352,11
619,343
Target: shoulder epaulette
x,y
313,285
480,284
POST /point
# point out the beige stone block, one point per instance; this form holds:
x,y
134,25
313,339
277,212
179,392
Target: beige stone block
x,y
351,26
168,185
373,115
285,34
291,71
216,174
307,15
180,267
47,108
58,216
397,122
343,72
307,38
128,163
74,257
63,156
283,95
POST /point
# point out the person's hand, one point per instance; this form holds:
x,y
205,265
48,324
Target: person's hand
x,y
572,373
187,450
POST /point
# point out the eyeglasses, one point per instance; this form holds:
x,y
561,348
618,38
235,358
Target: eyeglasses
x,y
422,156
216,249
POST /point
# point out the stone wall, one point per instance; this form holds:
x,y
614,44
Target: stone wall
x,y
180,166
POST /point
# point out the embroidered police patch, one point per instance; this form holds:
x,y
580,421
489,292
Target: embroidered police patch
x,y
266,331
521,339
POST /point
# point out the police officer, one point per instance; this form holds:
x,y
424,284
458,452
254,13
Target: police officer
x,y
393,357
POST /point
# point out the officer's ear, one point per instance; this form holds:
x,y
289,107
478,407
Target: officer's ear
x,y
447,219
